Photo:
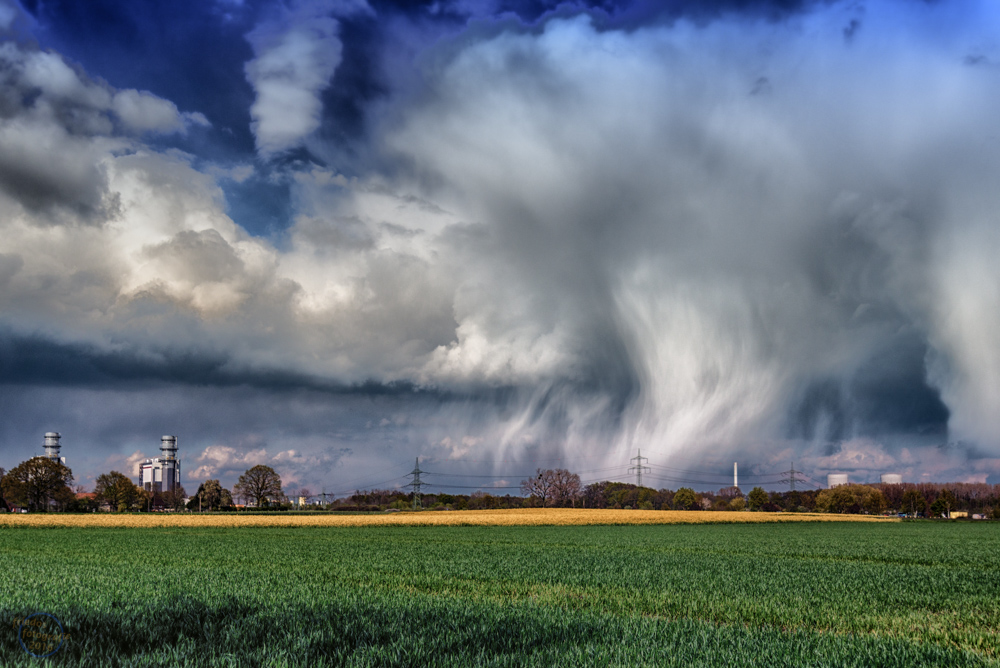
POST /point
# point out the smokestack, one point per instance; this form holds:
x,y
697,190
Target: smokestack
x,y
736,482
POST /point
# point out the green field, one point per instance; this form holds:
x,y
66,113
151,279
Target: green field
x,y
714,595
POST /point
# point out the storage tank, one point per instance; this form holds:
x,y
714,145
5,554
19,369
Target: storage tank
x,y
834,479
891,479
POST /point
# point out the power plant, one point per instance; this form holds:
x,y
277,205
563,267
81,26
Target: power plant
x,y
891,479
163,473
52,447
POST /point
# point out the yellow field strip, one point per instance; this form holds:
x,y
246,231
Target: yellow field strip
x,y
518,517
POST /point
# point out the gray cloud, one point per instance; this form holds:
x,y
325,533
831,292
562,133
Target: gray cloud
x,y
746,248
584,240
297,52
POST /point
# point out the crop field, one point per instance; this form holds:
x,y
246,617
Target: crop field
x,y
519,517
772,594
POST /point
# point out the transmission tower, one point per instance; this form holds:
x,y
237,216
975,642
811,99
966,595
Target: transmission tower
x,y
416,483
639,469
791,478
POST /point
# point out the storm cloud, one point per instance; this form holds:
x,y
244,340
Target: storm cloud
x,y
751,231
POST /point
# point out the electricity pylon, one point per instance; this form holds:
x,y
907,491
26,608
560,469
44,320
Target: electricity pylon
x,y
416,483
639,469
790,478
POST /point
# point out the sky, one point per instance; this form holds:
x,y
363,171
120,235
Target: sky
x,y
332,236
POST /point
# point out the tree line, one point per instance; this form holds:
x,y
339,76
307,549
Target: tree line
x,y
43,484
560,488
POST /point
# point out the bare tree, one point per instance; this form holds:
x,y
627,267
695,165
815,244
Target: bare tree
x,y
539,487
558,486
566,487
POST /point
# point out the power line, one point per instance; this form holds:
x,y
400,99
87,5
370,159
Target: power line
x,y
688,481
485,489
521,461
713,473
513,475
661,473
358,488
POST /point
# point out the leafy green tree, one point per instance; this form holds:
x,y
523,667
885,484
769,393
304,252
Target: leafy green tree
x,y
82,501
791,501
757,498
943,504
36,482
260,483
739,503
851,499
213,495
174,499
873,501
913,502
119,492
685,499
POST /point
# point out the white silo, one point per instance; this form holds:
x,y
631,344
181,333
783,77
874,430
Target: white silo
x,y
834,479
891,479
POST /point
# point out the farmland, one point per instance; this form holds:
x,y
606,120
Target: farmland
x,y
676,594
519,517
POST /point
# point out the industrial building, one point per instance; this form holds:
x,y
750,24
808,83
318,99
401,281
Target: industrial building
x,y
52,447
163,473
891,479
